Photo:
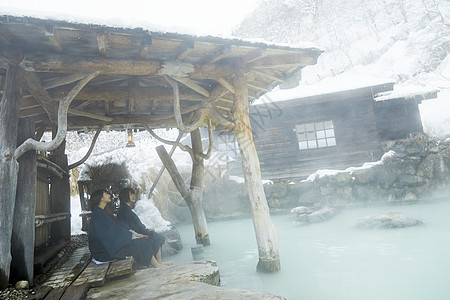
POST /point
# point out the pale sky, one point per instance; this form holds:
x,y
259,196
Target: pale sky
x,y
215,17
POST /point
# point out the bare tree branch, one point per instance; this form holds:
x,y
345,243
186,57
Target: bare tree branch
x,y
31,144
216,118
177,144
210,145
161,171
74,165
176,109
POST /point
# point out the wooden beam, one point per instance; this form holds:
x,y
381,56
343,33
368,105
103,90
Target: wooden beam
x,y
226,85
183,49
43,62
28,102
192,85
132,119
107,107
85,103
35,87
62,80
282,61
266,236
224,108
22,242
53,37
115,93
75,64
257,86
31,112
225,100
173,171
133,85
145,47
218,54
101,43
269,76
254,55
9,168
81,113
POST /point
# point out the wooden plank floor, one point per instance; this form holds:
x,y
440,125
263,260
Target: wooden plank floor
x,y
78,274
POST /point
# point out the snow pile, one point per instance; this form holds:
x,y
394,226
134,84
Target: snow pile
x,y
326,172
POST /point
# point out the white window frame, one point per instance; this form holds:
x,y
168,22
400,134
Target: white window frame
x,y
315,135
228,144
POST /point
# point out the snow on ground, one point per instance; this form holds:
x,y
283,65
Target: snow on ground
x,y
328,172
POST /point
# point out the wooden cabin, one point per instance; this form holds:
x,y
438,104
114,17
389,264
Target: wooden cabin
x,y
294,138
57,76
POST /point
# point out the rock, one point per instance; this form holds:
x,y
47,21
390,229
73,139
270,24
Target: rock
x,y
314,214
173,239
22,285
196,280
323,214
299,210
409,181
389,220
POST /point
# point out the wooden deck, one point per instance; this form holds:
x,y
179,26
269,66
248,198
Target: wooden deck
x,y
78,274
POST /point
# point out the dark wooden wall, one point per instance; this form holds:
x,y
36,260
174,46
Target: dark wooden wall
x,y
355,129
397,119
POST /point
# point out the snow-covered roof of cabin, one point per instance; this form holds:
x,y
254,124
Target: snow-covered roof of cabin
x,y
415,93
385,91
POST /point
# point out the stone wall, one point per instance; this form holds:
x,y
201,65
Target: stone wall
x,y
417,168
413,169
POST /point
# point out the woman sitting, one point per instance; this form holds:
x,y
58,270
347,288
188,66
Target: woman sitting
x,y
126,215
110,240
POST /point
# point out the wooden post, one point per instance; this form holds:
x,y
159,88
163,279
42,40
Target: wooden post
x,y
192,196
22,242
266,236
9,168
60,196
197,181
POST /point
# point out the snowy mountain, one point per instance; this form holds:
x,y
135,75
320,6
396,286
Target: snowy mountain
x,y
365,43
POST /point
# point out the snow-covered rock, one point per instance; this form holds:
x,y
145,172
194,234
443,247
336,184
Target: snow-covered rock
x,y
309,215
388,220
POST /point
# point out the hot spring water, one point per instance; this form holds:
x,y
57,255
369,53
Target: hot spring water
x,y
334,260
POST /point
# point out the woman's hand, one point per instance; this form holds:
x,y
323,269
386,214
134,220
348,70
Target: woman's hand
x,y
141,236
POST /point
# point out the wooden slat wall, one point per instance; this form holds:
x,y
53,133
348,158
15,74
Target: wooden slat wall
x,y
355,130
398,119
42,208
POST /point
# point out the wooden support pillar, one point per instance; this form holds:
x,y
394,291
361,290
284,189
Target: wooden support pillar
x,y
60,196
9,168
197,182
22,242
266,236
192,196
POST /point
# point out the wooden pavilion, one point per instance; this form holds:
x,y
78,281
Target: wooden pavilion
x,y
58,76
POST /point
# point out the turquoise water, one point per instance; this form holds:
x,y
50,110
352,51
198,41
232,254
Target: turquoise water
x,y
334,260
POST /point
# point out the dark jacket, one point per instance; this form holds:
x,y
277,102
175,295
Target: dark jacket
x,y
126,215
107,236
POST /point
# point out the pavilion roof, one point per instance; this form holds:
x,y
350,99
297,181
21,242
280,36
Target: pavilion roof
x,y
134,64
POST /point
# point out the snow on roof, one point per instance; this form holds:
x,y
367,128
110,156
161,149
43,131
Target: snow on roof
x,y
407,92
135,23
